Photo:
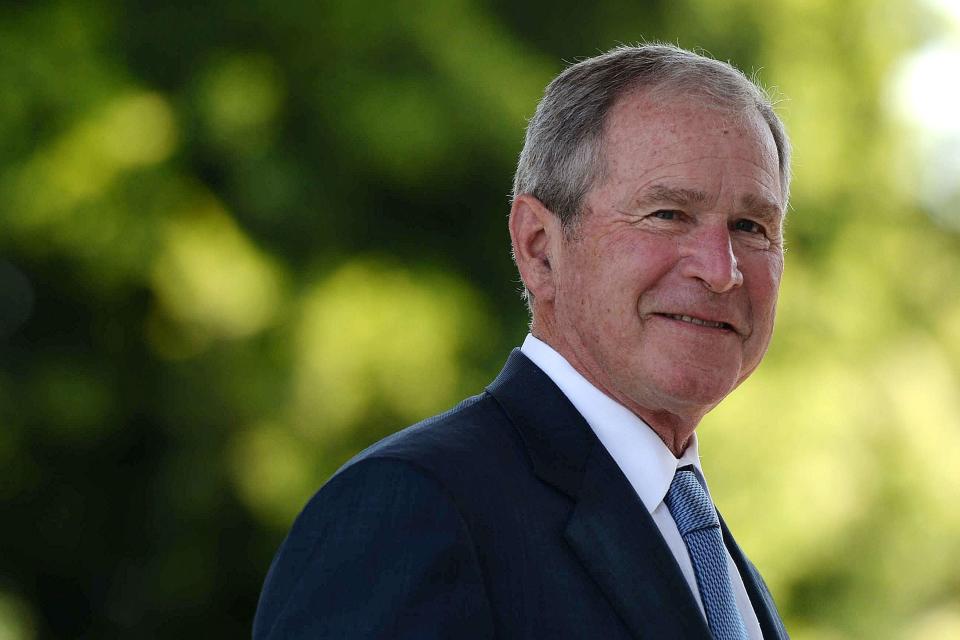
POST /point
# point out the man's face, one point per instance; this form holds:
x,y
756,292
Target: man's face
x,y
666,291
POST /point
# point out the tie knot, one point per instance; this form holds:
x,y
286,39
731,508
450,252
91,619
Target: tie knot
x,y
689,504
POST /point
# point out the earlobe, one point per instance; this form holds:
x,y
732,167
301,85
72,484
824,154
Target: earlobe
x,y
533,228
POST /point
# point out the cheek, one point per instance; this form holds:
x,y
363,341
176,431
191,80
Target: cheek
x,y
656,254
763,297
762,279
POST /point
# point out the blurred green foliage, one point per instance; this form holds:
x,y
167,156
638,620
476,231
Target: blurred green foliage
x,y
241,241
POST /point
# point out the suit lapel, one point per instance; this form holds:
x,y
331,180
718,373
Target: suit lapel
x,y
770,623
609,529
622,549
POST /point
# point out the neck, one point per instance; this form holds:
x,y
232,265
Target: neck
x,y
674,427
675,435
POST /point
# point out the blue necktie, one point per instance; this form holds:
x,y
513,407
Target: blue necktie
x,y
698,524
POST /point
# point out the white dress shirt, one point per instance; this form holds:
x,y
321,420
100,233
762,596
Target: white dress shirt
x,y
642,457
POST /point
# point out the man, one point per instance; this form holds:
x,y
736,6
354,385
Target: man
x,y
567,500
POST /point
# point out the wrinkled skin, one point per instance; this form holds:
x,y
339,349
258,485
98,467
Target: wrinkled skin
x,y
684,232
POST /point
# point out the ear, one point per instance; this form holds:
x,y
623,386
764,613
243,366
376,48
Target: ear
x,y
535,234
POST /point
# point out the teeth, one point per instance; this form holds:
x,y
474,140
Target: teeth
x,y
698,321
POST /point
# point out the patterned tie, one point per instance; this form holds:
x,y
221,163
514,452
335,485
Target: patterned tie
x,y
698,524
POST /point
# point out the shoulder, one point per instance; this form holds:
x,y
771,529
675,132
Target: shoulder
x,y
476,433
396,511
377,553
439,463
440,468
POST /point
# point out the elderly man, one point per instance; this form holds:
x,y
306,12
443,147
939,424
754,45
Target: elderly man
x,y
567,500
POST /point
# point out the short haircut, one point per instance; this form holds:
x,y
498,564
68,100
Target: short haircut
x,y
563,154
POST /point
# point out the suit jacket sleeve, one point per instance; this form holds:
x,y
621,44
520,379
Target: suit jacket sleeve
x,y
380,552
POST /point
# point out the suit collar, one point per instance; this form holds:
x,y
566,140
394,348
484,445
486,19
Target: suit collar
x,y
636,448
609,529
620,546
555,435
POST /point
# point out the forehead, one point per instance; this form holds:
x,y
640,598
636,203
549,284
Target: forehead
x,y
682,137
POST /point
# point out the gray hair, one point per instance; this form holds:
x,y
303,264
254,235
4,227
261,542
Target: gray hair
x,y
563,155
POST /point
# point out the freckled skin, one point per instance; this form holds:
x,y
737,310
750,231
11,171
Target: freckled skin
x,y
635,259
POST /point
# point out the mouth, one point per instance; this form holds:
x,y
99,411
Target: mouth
x,y
699,322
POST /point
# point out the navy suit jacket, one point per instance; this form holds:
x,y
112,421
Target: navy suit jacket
x,y
502,518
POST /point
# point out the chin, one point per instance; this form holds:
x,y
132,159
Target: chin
x,y
699,390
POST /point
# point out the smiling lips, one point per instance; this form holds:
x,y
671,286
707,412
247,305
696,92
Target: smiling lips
x,y
712,324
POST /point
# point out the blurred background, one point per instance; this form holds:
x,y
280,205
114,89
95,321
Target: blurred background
x,y
241,241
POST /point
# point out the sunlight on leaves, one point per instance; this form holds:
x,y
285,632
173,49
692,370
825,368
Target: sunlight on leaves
x,y
273,472
939,624
16,620
134,130
376,333
239,99
209,274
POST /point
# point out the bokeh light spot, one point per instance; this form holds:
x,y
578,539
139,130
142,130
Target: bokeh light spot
x,y
377,333
209,273
16,618
272,471
240,98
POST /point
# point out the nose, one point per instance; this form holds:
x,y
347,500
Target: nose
x,y
708,256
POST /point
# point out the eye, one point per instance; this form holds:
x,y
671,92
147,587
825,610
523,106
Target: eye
x,y
666,214
748,225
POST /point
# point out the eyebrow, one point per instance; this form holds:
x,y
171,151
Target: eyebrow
x,y
761,207
675,195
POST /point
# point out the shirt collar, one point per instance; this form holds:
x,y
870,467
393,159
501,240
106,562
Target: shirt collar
x,y
639,452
